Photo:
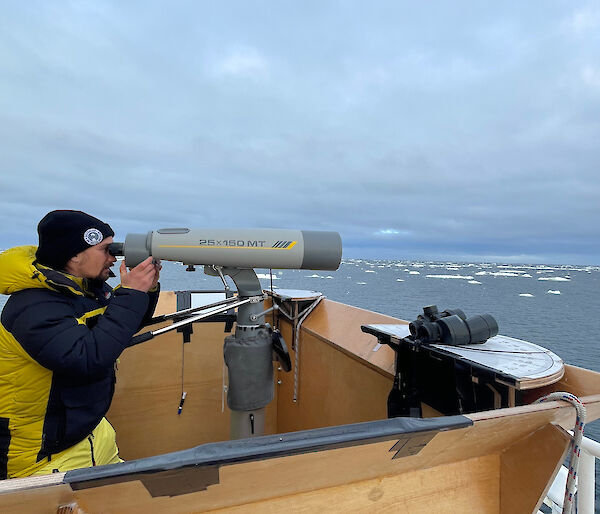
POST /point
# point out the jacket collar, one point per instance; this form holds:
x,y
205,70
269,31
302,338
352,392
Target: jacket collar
x,y
19,270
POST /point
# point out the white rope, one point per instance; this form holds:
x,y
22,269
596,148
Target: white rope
x,y
575,447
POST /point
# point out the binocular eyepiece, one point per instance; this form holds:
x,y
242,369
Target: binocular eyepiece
x,y
452,327
116,249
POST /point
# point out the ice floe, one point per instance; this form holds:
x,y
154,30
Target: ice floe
x,y
399,280
361,283
465,277
526,295
553,291
414,273
518,274
266,275
474,282
555,279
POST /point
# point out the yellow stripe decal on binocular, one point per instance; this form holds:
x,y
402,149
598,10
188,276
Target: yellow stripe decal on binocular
x,y
244,245
284,244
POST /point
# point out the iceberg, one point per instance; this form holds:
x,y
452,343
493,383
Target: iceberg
x,y
267,276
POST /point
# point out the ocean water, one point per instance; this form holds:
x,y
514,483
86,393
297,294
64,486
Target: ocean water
x,y
553,306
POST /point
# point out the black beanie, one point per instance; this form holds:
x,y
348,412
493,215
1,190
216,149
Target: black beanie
x,y
64,234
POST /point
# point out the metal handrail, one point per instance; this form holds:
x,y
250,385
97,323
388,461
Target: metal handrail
x,y
586,480
590,446
586,483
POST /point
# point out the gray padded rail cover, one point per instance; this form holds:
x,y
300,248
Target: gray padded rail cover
x,y
195,469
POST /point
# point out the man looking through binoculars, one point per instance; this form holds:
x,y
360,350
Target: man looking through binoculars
x,y
61,332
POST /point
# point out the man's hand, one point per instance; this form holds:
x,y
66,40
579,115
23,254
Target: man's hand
x,y
157,267
143,277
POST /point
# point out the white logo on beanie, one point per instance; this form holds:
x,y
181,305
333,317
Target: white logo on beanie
x,y
93,236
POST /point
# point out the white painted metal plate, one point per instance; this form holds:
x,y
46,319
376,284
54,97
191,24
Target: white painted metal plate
x,y
398,331
296,294
521,359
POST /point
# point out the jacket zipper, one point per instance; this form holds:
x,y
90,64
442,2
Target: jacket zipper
x,y
90,439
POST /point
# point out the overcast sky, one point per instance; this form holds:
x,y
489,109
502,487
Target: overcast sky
x,y
447,131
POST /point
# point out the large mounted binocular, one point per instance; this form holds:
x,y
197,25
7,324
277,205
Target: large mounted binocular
x,y
452,327
235,248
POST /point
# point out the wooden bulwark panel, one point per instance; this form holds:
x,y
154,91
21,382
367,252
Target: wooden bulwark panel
x,y
509,435
263,481
240,484
537,456
343,374
470,486
333,388
144,410
149,386
339,324
45,500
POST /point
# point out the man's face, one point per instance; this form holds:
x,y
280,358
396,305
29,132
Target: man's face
x,y
95,262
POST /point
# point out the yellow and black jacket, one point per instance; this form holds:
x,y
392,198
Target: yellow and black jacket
x,y
59,339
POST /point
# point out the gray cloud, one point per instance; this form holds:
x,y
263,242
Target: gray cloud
x,y
447,131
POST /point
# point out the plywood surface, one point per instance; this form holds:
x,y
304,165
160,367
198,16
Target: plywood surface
x,y
510,436
339,324
470,486
333,388
36,501
167,303
149,386
269,479
148,392
537,456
